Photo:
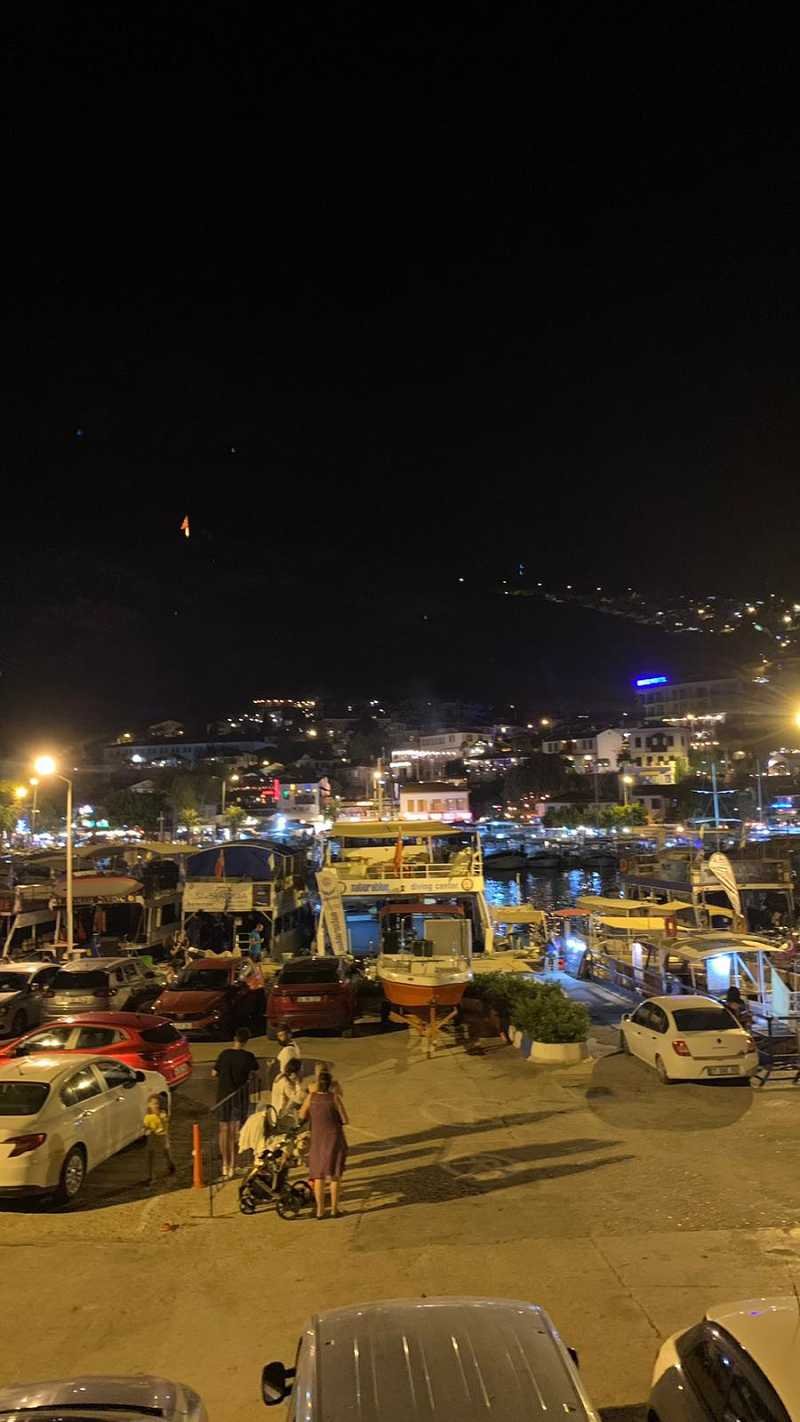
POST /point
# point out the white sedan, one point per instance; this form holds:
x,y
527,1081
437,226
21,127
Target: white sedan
x,y
58,1120
688,1039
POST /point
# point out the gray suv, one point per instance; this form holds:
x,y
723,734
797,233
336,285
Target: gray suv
x,y
100,985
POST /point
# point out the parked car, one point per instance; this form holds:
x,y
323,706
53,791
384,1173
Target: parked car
x,y
688,1039
144,1042
21,989
315,992
102,1397
485,1353
214,995
59,1119
100,985
739,1362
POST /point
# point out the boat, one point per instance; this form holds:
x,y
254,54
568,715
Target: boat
x,y
414,891
760,880
232,887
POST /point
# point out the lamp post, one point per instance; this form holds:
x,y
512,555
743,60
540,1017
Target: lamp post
x,y
45,765
233,779
34,804
626,781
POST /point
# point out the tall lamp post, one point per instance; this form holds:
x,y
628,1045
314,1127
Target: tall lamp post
x,y
46,766
34,783
233,779
627,780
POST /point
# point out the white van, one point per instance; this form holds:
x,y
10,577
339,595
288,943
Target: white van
x,y
405,1359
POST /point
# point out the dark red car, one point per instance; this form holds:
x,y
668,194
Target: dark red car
x,y
214,996
314,992
143,1042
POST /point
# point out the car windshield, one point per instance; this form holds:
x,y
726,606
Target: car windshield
x,y
704,1019
13,982
199,979
22,1098
310,972
79,982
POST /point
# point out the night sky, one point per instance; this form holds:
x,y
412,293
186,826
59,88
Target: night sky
x,y
384,302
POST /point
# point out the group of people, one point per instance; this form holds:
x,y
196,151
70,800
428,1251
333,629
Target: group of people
x,y
295,1099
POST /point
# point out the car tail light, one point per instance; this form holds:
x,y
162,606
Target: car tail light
x,y
680,1047
22,1144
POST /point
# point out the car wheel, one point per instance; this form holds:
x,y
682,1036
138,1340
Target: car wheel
x,y
18,1024
662,1073
73,1174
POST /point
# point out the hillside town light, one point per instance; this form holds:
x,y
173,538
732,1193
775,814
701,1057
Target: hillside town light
x,y
46,766
21,792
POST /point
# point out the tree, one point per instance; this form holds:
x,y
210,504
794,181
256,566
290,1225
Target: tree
x,y
234,815
191,819
9,814
130,807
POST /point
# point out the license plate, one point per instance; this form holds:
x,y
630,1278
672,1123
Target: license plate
x,y
181,1026
309,999
723,1071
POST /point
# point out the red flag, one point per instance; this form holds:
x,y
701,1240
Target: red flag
x,y
398,855
185,526
219,867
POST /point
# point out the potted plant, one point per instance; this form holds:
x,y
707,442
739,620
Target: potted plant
x,y
493,996
557,1026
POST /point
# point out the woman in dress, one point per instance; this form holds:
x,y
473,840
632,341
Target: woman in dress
x,y
324,1110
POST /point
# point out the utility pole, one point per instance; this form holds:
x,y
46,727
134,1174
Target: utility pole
x,y
715,792
760,791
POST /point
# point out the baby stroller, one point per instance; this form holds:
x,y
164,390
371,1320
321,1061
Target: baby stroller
x,y
268,1183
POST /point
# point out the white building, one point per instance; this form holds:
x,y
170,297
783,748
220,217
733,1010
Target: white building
x,y
656,753
587,752
434,800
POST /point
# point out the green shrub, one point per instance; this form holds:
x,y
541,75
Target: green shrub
x,y
549,1016
502,991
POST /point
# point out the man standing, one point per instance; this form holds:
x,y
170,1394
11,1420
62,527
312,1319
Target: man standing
x,y
234,1069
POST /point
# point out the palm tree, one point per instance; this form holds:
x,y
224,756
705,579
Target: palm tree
x,y
191,819
234,816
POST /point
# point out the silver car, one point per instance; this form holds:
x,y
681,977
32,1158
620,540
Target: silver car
x,y
21,1000
401,1359
103,1399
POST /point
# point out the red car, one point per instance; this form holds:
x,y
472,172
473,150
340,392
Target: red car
x,y
142,1041
213,996
314,992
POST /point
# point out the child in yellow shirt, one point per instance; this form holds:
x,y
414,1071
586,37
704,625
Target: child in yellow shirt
x,y
156,1125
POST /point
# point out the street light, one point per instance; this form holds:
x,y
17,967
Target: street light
x,y
626,781
46,766
797,718
34,806
233,779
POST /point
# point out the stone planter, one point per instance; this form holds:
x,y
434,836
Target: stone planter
x,y
558,1053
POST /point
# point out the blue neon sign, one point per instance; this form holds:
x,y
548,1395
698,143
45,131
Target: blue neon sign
x,y
651,681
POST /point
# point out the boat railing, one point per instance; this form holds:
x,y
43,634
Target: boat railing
x,y
349,869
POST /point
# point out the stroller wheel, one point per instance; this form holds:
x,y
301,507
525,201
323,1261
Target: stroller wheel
x,y
292,1202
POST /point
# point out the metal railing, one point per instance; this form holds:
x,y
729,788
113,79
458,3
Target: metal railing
x,y
472,868
231,1111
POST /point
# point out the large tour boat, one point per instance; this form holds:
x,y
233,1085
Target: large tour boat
x,y
413,893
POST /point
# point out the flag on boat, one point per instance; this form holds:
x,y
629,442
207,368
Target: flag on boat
x,y
219,867
185,526
722,869
398,855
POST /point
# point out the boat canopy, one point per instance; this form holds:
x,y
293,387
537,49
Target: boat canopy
x,y
516,913
594,903
249,860
391,829
712,945
429,910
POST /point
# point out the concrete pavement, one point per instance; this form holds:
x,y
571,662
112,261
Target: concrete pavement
x,y
622,1206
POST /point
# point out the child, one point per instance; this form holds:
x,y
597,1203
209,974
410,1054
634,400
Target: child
x,y
156,1124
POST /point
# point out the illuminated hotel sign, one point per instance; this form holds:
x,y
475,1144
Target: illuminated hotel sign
x,y
651,681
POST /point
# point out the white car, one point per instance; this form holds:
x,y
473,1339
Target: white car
x,y
104,1399
688,1039
740,1362
58,1120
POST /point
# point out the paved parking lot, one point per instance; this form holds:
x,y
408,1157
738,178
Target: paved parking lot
x,y
624,1207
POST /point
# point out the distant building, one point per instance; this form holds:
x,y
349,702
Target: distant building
x,y
660,699
434,800
586,750
184,753
656,753
657,801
